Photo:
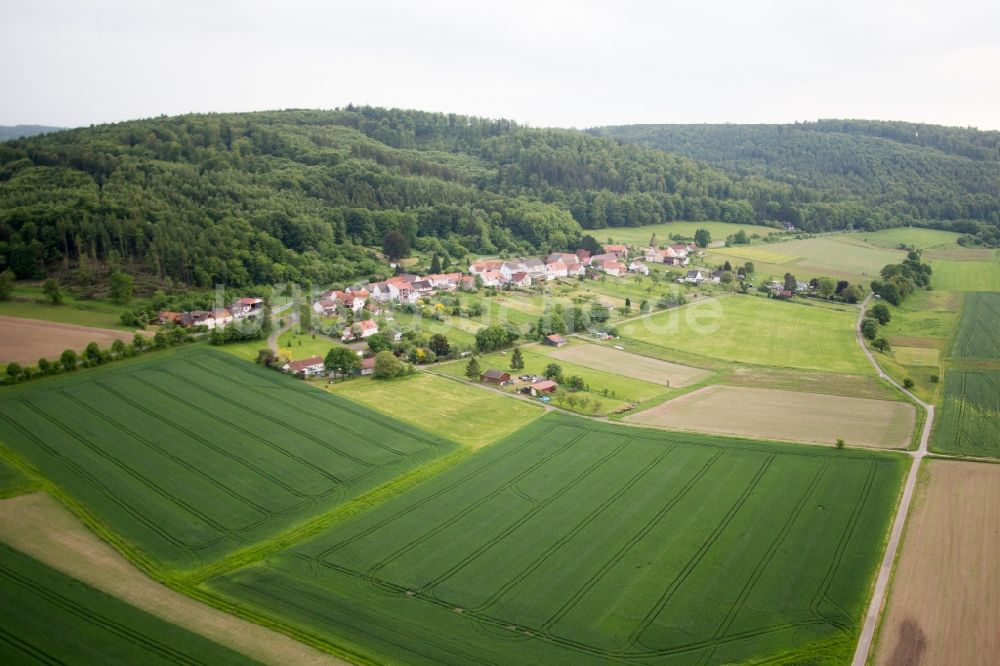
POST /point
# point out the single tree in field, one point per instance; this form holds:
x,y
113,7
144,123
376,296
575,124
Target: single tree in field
x,y
395,245
6,284
881,344
517,360
880,311
907,383
702,238
435,263
553,371
439,345
52,291
388,366
869,328
652,240
727,266
341,360
472,369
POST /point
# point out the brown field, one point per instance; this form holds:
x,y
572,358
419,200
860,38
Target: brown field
x,y
856,386
632,365
910,341
786,415
27,340
39,526
944,606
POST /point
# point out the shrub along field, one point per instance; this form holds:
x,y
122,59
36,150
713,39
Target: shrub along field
x,y
968,421
573,542
978,335
192,454
760,331
47,617
444,406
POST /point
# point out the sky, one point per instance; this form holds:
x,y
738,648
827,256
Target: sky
x,y
568,64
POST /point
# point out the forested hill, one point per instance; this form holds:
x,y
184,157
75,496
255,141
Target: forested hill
x,y
926,174
261,197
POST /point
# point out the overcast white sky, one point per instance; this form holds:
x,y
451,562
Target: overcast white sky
x,y
572,64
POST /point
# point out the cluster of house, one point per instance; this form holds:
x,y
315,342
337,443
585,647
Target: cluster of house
x,y
403,288
314,367
219,317
673,255
613,260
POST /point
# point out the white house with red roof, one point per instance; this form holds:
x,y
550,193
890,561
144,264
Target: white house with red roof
x,y
636,266
307,367
621,251
247,307
521,279
360,330
556,269
615,268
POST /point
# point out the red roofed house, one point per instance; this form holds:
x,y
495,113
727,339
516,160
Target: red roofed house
x,y
247,307
546,386
306,367
521,279
360,329
615,268
584,255
325,307
620,250
367,367
168,316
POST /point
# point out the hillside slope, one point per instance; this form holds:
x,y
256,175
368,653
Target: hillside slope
x,y
922,174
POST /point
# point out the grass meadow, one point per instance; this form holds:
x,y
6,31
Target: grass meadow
x,y
444,406
759,331
574,542
922,239
965,275
807,258
641,235
191,455
47,617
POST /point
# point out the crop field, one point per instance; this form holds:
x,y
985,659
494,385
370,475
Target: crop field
x,y
921,239
965,275
785,379
968,421
944,605
978,335
749,329
817,256
616,361
47,617
192,454
573,542
444,406
27,340
786,415
12,481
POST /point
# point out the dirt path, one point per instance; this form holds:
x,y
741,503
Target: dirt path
x,y
885,570
39,526
272,340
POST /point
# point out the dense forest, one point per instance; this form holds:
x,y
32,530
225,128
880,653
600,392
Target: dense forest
x,y
258,198
927,175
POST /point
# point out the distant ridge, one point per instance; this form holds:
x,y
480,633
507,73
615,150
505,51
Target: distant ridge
x,y
8,132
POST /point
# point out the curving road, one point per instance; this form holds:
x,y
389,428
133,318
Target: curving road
x,y
885,570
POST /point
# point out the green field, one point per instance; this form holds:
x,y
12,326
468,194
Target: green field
x,y
978,335
926,315
297,346
761,331
968,421
641,235
47,617
812,257
471,417
12,481
81,313
573,542
921,239
965,275
192,454
620,388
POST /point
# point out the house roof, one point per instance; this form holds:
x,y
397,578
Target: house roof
x,y
694,273
544,385
557,265
250,301
583,254
367,324
368,363
326,303
296,366
495,374
555,337
613,265
519,277
423,284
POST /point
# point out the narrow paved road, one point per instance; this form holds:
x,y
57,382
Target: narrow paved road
x,y
884,572
272,340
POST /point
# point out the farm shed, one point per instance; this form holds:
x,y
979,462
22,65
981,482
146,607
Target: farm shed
x,y
555,340
546,386
495,376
